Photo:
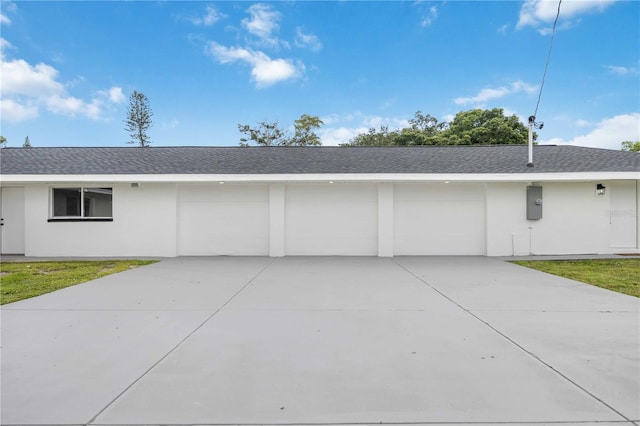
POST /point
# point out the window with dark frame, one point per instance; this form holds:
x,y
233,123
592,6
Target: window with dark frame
x,y
82,203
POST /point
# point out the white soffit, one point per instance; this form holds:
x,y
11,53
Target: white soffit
x,y
355,177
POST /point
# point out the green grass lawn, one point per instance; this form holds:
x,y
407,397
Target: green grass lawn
x,y
621,275
22,280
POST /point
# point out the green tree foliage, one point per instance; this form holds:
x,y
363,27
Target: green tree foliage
x,y
423,130
631,146
27,143
3,141
266,134
270,134
486,127
138,119
304,134
474,127
373,137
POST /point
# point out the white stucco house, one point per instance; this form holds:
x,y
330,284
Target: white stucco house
x,y
190,201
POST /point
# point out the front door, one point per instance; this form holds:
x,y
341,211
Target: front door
x,y
12,220
623,214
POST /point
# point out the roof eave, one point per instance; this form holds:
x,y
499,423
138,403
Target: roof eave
x,y
322,177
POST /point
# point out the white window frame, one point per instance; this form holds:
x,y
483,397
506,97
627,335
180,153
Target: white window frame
x,y
80,218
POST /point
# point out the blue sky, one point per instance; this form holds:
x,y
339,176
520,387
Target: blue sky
x,y
68,68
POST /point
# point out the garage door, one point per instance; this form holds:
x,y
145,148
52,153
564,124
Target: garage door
x,y
443,219
229,219
331,219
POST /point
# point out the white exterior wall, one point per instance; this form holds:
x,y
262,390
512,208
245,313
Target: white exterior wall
x,y
507,228
144,224
385,220
574,219
344,219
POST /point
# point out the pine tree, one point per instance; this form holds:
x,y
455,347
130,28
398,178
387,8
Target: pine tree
x,y
27,143
139,119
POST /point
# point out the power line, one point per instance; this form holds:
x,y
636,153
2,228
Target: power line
x,y
544,76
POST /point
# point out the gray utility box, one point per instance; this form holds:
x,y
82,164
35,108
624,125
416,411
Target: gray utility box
x,y
534,202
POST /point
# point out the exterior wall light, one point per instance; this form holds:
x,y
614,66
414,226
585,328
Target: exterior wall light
x,y
600,189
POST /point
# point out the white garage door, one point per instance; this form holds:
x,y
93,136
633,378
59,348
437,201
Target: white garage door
x,y
442,219
229,219
331,219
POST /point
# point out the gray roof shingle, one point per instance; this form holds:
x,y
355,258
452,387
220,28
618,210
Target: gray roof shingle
x,y
300,160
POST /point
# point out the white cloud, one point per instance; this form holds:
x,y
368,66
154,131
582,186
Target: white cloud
x,y
264,70
310,41
210,17
429,17
583,123
14,112
170,124
561,26
4,45
536,13
622,70
116,96
21,78
609,133
263,22
490,93
341,128
26,88
339,135
72,106
7,6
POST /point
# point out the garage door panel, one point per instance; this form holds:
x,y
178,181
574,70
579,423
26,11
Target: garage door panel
x,y
331,220
439,220
216,220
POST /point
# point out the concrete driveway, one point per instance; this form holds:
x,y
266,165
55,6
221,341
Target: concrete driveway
x,y
322,340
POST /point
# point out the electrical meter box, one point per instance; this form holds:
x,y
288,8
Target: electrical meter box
x,y
534,202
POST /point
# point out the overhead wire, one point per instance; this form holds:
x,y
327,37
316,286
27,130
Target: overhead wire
x,y
546,67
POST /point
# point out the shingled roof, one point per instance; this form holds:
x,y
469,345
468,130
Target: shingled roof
x,y
300,160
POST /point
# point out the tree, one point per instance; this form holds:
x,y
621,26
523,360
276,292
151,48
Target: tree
x,y
373,137
270,133
27,143
266,134
426,124
631,146
423,130
138,119
485,127
3,141
304,131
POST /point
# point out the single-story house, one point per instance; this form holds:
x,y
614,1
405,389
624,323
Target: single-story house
x,y
272,201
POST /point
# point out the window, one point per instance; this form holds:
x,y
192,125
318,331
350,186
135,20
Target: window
x,y
81,203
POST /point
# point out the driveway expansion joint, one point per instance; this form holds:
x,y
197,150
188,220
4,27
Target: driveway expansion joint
x,y
518,345
181,342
